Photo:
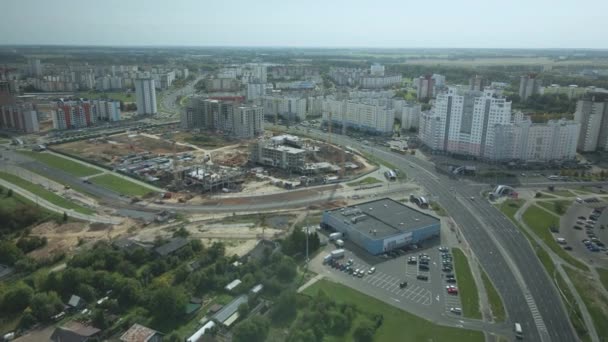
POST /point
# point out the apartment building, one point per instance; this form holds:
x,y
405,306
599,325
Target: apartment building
x,y
74,114
231,118
592,114
528,86
145,94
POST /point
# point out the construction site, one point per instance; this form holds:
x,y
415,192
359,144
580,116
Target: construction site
x,y
167,158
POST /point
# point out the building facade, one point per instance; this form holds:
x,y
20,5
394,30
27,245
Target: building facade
x,y
107,110
371,117
592,115
528,86
74,114
145,94
231,118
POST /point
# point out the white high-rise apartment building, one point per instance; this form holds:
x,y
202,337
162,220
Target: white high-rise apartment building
x,y
377,70
373,118
255,91
593,117
35,67
462,122
410,116
145,95
527,141
287,107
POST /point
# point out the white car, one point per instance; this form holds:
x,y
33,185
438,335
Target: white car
x,y
371,270
457,311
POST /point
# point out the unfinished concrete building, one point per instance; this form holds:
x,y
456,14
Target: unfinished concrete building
x,y
231,118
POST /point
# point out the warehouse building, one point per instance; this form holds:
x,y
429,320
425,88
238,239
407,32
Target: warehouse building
x,y
382,225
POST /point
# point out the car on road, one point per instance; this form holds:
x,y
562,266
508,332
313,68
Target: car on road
x,y
568,248
403,284
371,270
457,311
422,277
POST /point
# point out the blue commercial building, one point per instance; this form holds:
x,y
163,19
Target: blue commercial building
x,y
382,225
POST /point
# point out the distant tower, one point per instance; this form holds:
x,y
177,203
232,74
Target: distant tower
x,y
145,94
35,67
528,86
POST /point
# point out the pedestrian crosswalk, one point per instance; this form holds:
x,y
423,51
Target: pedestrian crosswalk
x,y
538,319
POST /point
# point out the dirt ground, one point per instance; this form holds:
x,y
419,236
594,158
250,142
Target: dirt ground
x,y
64,238
106,150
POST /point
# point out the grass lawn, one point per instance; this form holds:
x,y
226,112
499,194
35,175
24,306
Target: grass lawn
x,y
498,309
16,199
119,96
57,162
438,209
45,194
562,193
546,195
120,185
398,325
540,221
365,181
555,205
603,276
595,301
574,312
469,296
510,207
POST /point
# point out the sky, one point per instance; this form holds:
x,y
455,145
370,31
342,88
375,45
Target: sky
x,y
308,23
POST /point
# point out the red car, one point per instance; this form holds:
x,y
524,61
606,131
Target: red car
x,y
452,289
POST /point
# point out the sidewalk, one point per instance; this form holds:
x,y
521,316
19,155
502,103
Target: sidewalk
x,y
310,282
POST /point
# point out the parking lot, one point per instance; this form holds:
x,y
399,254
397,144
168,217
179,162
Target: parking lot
x,y
415,280
584,230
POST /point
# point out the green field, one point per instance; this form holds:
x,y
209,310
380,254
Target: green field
x,y
119,96
595,301
498,309
554,205
562,193
603,276
365,181
398,325
120,185
467,289
539,221
45,194
57,162
574,312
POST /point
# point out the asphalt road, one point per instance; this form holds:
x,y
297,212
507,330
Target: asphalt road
x,y
505,254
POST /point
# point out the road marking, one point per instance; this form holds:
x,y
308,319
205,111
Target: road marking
x,y
396,300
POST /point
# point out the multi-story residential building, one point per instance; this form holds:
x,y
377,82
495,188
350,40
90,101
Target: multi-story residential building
x,y
477,83
231,118
438,80
107,110
410,116
74,114
346,76
592,114
145,94
528,86
288,72
375,82
526,141
462,122
222,84
288,107
255,91
425,85
370,117
35,67
259,72
15,114
377,70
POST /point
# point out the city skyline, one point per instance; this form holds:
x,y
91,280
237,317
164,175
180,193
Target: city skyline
x,y
385,24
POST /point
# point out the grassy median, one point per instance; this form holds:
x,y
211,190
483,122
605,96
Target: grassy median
x,y
574,312
557,207
365,181
539,221
498,309
64,164
398,325
595,301
467,289
120,185
47,195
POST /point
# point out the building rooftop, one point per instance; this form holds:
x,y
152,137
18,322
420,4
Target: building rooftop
x,y
73,331
383,218
229,310
138,333
171,246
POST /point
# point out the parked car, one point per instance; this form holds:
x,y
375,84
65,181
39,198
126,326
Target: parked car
x,y
371,270
423,267
451,280
422,277
456,311
402,284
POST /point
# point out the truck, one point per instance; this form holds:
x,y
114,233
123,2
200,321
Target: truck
x,y
327,259
335,236
339,243
337,254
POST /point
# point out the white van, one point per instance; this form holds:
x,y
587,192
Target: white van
x,y
518,332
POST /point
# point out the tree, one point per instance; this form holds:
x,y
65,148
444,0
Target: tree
x,y
9,253
174,337
129,292
17,298
65,217
254,329
286,269
45,305
167,302
339,323
9,193
559,207
99,319
364,331
243,310
284,308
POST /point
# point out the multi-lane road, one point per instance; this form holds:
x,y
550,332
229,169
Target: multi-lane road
x,y
505,254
